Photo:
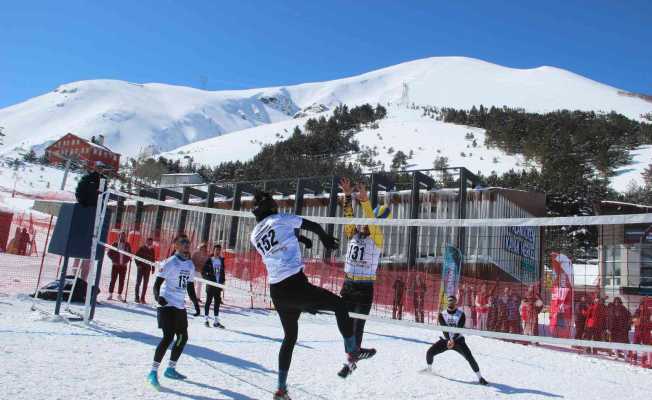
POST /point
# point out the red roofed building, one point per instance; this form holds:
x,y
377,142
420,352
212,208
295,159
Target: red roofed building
x,y
89,152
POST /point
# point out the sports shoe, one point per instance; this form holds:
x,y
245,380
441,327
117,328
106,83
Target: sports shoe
x,y
137,300
110,297
282,394
346,370
364,354
352,361
152,378
482,381
172,373
216,324
207,323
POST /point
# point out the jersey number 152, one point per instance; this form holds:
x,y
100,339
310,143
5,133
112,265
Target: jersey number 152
x,y
267,241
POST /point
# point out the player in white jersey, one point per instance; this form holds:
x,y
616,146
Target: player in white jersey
x,y
276,240
174,279
453,316
362,258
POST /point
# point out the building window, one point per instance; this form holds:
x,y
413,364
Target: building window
x,y
613,261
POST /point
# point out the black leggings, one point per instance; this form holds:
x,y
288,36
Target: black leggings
x,y
358,298
177,349
213,293
294,295
460,347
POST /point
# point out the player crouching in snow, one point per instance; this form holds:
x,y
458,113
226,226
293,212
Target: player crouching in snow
x,y
362,258
214,271
455,317
276,241
173,280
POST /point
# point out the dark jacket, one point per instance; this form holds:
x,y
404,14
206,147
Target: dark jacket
x,y
116,256
208,272
146,253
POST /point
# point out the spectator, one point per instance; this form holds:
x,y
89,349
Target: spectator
x,y
145,251
119,267
502,310
199,258
596,321
531,306
641,331
620,321
24,242
482,305
493,323
214,271
513,317
466,297
418,296
397,308
474,311
12,247
581,311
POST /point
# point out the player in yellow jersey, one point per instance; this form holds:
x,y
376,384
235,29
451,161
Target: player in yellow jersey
x,y
364,248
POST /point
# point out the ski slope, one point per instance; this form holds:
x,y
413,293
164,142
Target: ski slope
x,y
44,357
403,129
135,117
35,180
154,117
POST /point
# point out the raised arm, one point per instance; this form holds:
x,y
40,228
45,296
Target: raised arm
x,y
375,231
347,208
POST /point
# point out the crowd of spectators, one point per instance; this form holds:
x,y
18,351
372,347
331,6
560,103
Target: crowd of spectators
x,y
21,243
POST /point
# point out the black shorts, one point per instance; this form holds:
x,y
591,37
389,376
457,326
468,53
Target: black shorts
x,y
357,293
172,319
296,293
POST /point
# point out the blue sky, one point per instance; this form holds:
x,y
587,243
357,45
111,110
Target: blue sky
x,y
240,44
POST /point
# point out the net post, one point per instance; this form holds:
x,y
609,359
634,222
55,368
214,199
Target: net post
x,y
418,180
185,199
208,218
298,196
119,212
235,205
91,289
332,210
461,212
159,215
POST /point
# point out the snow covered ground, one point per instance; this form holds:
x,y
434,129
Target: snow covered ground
x,y
41,357
38,180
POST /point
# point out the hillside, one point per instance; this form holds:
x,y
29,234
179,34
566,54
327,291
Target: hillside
x,y
158,117
403,129
135,116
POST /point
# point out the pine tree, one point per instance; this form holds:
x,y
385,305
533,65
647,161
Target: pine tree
x,y
399,161
647,177
30,156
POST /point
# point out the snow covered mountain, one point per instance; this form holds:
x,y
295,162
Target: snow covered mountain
x,y
135,117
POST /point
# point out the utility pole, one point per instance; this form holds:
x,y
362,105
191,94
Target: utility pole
x,y
65,174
